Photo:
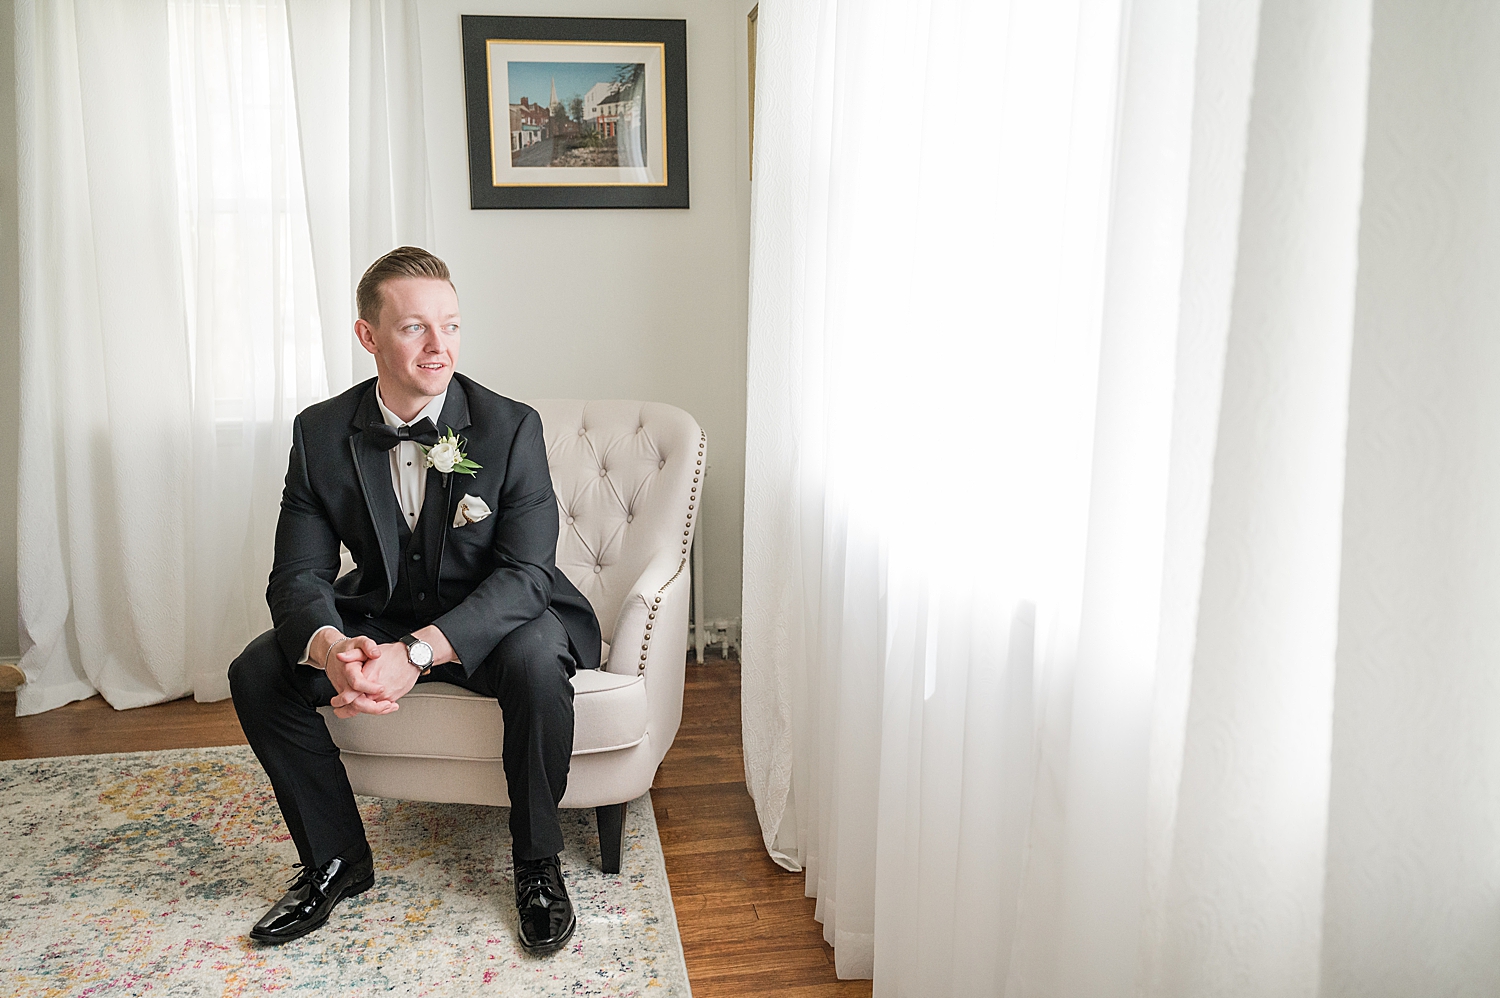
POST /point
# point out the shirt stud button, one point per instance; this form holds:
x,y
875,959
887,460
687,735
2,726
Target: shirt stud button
x,y
416,557
421,596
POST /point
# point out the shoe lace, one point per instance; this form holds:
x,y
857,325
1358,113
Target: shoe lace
x,y
306,875
533,878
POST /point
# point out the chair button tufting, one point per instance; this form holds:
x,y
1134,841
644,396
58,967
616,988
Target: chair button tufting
x,y
596,569
661,464
580,431
629,517
601,472
570,519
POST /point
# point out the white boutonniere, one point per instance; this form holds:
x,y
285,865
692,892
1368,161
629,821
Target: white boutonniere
x,y
471,509
447,455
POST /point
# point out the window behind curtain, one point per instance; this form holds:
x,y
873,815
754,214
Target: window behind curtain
x,y
254,336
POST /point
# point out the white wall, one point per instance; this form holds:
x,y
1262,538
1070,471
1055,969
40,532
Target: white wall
x,y
675,331
10,341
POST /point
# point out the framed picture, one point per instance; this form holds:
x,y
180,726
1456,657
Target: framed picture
x,y
576,112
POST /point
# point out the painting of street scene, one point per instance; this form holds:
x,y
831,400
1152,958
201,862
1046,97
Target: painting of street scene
x,y
577,114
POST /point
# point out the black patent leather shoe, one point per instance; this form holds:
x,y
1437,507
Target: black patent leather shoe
x,y
312,897
546,914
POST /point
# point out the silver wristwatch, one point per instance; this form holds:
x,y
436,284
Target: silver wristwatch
x,y
418,653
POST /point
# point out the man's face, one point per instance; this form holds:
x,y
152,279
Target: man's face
x,y
415,338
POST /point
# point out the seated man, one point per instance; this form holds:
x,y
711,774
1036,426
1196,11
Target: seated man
x,y
440,490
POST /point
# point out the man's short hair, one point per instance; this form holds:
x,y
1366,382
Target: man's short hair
x,y
403,261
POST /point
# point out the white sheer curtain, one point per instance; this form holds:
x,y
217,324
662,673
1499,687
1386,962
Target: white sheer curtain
x,y
358,67
182,260
1051,570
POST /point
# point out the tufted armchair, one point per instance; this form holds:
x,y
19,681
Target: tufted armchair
x,y
627,477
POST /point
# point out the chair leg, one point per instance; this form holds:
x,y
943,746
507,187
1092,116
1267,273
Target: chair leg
x,y
611,818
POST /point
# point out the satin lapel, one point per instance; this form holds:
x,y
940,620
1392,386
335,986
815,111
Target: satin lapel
x,y
440,489
455,415
373,468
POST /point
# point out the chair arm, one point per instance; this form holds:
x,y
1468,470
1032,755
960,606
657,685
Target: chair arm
x,y
647,630
650,638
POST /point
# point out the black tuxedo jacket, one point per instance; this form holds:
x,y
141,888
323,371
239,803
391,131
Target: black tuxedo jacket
x,y
493,576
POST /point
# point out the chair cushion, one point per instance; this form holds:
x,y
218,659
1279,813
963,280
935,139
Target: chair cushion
x,y
443,721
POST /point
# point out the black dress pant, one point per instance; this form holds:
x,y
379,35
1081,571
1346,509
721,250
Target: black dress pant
x,y
277,702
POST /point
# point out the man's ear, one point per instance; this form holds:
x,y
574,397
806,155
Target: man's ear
x,y
365,333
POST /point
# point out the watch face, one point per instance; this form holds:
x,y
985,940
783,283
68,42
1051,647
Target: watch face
x,y
419,653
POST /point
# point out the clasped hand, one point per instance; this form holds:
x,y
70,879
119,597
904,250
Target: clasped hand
x,y
369,678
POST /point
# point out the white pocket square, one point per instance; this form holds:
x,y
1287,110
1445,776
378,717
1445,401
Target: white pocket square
x,y
471,509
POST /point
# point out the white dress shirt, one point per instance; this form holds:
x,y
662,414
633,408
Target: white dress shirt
x,y
408,479
408,464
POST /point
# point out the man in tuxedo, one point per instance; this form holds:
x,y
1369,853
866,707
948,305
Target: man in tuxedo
x,y
454,543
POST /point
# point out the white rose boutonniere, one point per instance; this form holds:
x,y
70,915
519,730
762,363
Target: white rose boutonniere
x,y
447,455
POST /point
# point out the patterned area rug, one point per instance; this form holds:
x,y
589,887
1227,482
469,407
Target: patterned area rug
x,y
140,874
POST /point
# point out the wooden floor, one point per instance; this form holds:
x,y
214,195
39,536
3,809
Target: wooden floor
x,y
746,928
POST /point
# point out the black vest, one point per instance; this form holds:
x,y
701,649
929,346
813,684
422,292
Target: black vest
x,y
415,600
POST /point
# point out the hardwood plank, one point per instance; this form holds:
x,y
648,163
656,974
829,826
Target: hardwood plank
x,y
793,909
739,959
91,726
747,927
731,988
756,984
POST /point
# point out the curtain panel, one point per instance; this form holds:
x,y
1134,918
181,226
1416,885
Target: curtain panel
x,y
187,269
1121,543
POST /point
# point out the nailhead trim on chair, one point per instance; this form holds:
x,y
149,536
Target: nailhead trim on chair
x,y
687,533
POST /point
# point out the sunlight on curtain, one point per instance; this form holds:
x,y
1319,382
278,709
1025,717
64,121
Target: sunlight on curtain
x,y
1044,483
253,334
253,331
201,183
170,334
930,426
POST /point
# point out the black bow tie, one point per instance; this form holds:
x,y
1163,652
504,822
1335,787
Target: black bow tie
x,y
385,437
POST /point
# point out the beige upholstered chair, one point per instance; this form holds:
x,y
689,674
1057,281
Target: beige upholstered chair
x,y
628,476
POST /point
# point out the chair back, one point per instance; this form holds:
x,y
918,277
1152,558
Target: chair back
x,y
627,476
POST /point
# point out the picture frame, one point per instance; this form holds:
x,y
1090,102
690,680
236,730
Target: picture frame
x,y
576,112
